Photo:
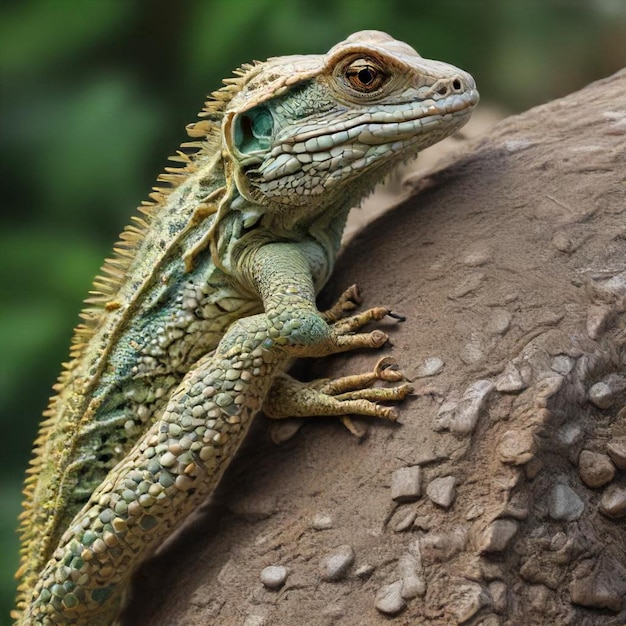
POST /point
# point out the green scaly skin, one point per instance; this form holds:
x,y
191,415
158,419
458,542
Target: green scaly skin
x,y
208,299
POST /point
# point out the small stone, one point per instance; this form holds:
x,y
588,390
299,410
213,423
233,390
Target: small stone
x,y
406,484
389,599
598,319
442,491
510,380
613,502
274,576
497,589
365,571
617,452
467,600
565,503
423,522
432,365
283,430
499,322
516,447
461,418
477,255
469,285
595,469
335,565
411,570
254,507
569,434
562,242
439,547
255,620
321,521
562,364
473,352
497,536
403,521
600,584
601,395
615,286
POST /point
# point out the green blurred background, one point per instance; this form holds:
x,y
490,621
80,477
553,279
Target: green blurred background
x,y
95,94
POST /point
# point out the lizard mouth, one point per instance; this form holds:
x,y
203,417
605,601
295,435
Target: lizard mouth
x,y
340,148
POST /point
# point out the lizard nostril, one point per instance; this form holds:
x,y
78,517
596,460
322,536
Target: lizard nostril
x,y
456,84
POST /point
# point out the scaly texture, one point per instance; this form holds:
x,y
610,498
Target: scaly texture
x,y
228,259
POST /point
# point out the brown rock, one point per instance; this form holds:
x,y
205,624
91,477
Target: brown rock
x,y
595,469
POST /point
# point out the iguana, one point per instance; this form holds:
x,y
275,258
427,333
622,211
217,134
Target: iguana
x,y
209,296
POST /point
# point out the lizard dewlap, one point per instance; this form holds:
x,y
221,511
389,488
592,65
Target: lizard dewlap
x,y
208,298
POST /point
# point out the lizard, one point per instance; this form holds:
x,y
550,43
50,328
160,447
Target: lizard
x,y
208,298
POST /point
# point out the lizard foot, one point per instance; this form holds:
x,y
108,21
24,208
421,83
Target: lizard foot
x,y
349,395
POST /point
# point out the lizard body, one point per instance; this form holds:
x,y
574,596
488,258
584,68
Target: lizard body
x,y
208,298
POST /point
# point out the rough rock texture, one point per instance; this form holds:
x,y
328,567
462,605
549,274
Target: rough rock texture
x,y
510,265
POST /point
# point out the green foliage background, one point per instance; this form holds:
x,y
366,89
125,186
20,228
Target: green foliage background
x,y
94,94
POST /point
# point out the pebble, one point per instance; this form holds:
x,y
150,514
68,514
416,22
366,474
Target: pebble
x,y
477,255
255,620
403,521
365,571
431,366
595,469
254,507
598,319
335,565
497,535
600,583
569,434
613,501
411,571
389,599
473,351
565,503
283,430
617,452
274,576
499,322
562,242
461,418
516,447
406,484
615,286
601,395
321,521
510,381
442,491
562,364
439,547
497,589
470,598
470,284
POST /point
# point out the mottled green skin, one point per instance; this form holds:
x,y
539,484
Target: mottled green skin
x,y
235,254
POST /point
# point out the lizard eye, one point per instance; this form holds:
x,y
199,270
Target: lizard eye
x,y
364,75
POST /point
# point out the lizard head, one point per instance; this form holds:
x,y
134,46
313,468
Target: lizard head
x,y
322,130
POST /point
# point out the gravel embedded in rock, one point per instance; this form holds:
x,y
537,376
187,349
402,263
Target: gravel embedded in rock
x,y
565,503
322,521
562,364
595,469
617,452
516,447
432,365
365,571
389,599
469,285
497,535
499,322
599,583
403,520
497,589
411,571
442,491
406,484
510,381
274,576
598,318
613,501
335,565
461,418
601,395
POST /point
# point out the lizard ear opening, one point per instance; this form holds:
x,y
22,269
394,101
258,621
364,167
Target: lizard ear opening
x,y
253,130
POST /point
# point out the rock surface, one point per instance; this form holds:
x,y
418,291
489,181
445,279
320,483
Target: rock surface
x,y
509,264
